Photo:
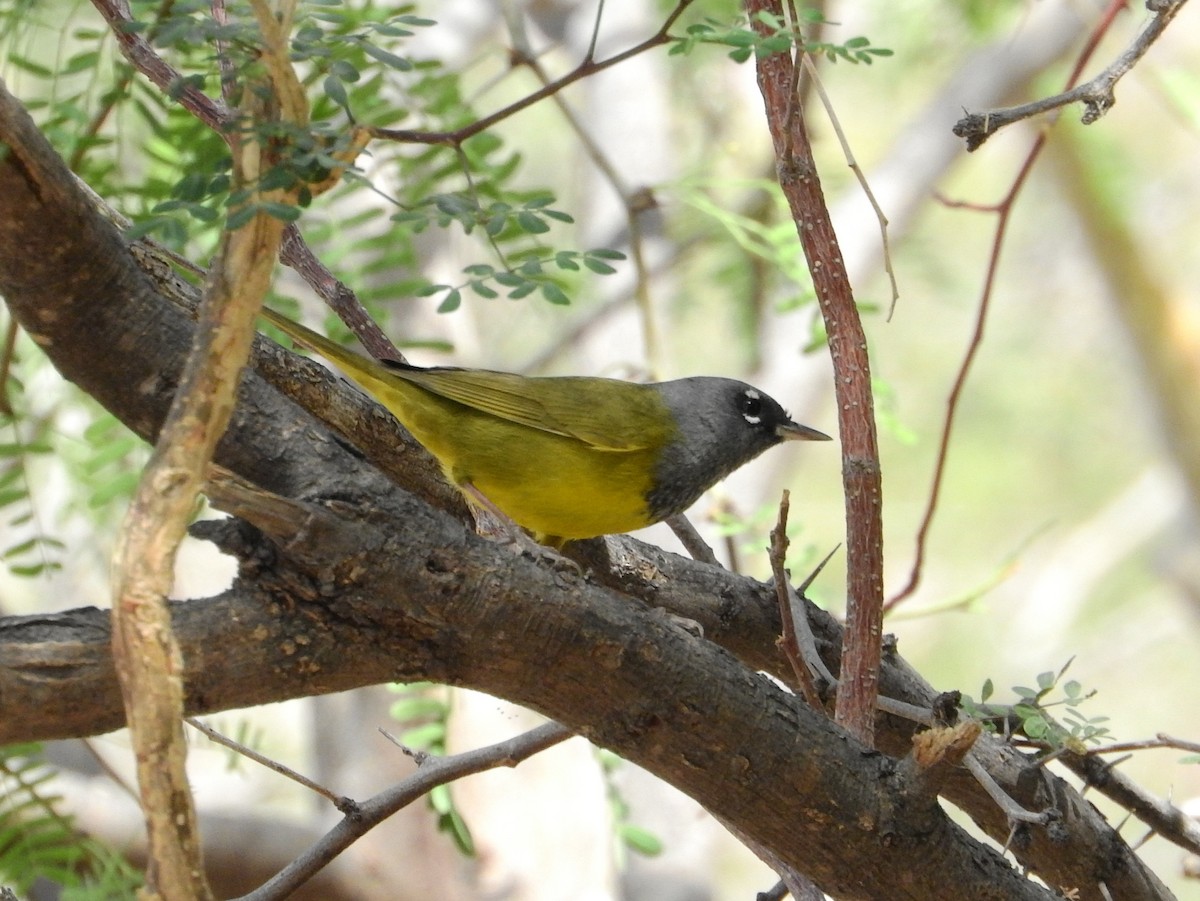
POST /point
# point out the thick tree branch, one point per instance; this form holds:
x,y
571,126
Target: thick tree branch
x,y
414,594
440,603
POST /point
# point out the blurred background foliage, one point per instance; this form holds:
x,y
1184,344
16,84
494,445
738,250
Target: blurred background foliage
x,y
1068,519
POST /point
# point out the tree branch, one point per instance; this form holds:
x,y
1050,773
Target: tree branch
x,y
1096,95
381,586
434,771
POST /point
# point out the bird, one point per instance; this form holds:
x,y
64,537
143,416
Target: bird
x,y
570,457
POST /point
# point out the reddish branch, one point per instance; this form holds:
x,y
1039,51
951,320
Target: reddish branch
x,y
589,66
1003,211
861,477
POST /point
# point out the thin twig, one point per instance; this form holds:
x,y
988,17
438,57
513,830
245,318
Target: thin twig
x,y
803,628
787,639
140,54
1161,740
691,539
1160,815
341,802
1014,811
585,69
634,201
1096,95
852,162
434,771
1003,211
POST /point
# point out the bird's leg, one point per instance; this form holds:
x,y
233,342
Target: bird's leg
x,y
493,522
489,519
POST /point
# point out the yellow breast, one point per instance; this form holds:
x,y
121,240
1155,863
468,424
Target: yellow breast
x,y
554,485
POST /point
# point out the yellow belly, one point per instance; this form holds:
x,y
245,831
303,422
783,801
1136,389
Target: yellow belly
x,y
549,484
575,494
552,485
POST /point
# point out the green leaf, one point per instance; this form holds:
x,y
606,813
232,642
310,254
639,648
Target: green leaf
x,y
427,737
240,216
82,62
510,279
35,569
1036,727
418,707
555,294
344,70
457,827
336,91
440,799
640,840
598,266
531,223
387,58
415,21
284,212
28,65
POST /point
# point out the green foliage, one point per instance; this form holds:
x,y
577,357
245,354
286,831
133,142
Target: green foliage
x,y
338,41
37,840
523,277
426,718
779,37
1072,730
743,240
354,62
770,238
109,469
629,836
746,534
26,549
501,220
523,272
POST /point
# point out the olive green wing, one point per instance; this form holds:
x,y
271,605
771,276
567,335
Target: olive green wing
x,y
606,414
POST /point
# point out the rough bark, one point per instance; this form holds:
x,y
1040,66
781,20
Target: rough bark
x,y
366,582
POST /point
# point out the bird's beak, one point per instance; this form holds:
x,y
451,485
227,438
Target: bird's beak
x,y
793,431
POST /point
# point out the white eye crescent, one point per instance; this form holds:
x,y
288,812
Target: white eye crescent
x,y
751,406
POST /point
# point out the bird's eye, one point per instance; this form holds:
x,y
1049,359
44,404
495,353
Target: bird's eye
x,y
751,406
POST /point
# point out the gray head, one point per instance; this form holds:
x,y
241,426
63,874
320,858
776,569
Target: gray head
x,y
722,423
